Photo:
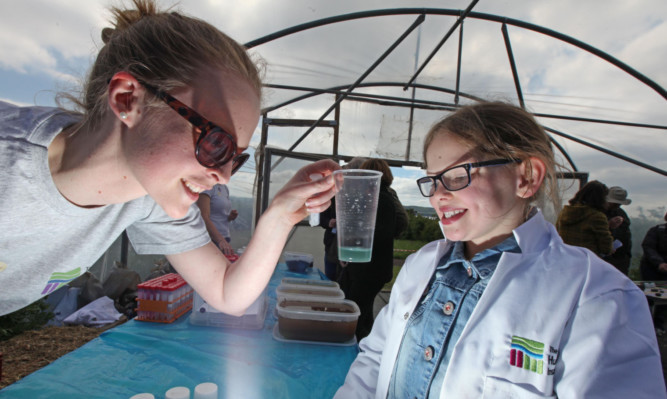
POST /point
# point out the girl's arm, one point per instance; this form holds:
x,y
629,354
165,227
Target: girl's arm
x,y
233,287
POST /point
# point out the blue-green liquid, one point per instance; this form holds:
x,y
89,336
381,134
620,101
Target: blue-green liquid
x,y
354,254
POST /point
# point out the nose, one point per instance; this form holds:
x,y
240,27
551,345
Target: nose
x,y
221,174
441,191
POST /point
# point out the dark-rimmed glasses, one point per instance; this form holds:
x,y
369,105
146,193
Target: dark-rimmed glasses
x,y
457,177
214,147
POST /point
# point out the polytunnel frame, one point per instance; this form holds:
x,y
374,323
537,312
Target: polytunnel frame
x,y
345,92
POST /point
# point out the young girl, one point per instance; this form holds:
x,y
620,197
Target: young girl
x,y
501,308
167,112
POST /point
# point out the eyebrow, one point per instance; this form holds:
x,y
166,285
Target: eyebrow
x,y
468,155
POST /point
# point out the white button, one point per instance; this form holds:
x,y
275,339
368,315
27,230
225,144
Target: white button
x,y
469,271
406,315
448,308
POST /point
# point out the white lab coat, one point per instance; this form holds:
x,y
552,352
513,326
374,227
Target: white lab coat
x,y
593,322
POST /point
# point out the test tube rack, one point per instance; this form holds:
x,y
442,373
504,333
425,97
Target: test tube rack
x,y
163,299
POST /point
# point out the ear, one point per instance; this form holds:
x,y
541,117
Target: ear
x,y
531,173
124,91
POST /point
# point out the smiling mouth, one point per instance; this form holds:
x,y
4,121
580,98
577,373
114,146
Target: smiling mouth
x,y
192,187
450,214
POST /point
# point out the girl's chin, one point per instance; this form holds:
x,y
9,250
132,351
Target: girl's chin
x,y
176,211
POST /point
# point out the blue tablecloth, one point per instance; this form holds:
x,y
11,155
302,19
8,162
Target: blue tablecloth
x,y
151,357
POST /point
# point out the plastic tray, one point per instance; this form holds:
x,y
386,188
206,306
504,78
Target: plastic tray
x,y
204,314
309,282
321,321
316,292
298,262
278,337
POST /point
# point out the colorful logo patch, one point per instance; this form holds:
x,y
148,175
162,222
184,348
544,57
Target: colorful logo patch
x,y
527,354
58,279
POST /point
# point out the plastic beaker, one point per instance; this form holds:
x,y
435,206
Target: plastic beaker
x,y
357,192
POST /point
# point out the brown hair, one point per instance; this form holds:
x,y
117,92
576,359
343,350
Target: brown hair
x,y
163,49
593,194
502,130
381,166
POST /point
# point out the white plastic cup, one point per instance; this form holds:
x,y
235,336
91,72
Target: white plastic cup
x,y
357,193
177,393
206,390
143,396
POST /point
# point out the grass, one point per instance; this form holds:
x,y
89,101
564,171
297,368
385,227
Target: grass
x,y
406,248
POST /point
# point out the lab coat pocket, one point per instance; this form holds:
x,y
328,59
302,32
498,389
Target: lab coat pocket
x,y
496,388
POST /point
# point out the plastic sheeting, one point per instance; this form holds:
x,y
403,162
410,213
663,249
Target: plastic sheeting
x,y
150,357
98,313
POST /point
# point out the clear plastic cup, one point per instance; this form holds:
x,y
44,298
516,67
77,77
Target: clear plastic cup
x,y
357,192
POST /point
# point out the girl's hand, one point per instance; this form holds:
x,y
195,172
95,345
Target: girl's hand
x,y
225,247
301,195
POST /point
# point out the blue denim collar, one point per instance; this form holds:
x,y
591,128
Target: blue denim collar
x,y
456,254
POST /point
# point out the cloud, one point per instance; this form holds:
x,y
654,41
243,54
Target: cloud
x,y
556,78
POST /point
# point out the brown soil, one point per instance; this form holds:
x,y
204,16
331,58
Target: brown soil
x,y
32,350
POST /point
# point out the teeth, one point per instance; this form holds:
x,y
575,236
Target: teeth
x,y
452,213
192,187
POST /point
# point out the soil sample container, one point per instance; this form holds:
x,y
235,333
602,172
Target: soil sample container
x,y
309,282
316,292
298,262
324,321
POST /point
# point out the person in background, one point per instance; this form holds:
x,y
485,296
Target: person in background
x,y
361,282
160,120
332,267
216,210
502,308
583,222
653,267
653,264
621,257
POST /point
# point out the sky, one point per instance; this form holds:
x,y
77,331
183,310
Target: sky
x,y
47,47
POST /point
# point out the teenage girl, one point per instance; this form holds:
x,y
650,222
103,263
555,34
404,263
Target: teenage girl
x,y
502,308
167,112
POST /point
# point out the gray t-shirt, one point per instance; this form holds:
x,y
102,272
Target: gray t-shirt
x,y
46,241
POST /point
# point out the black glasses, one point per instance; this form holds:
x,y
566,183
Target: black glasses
x,y
214,147
457,177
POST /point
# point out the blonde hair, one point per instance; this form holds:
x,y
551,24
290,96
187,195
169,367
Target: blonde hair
x,y
160,48
501,130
